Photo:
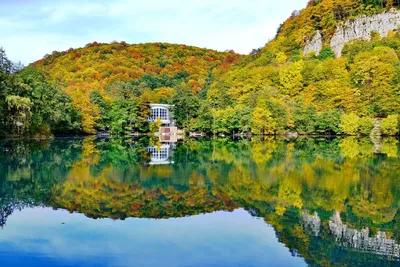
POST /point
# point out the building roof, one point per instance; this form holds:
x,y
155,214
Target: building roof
x,y
155,105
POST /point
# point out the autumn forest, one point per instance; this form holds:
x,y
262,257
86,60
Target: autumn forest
x,y
274,90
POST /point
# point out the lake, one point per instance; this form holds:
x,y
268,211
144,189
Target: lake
x,y
223,202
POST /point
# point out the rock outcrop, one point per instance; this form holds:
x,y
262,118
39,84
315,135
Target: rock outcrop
x,y
315,44
359,28
362,27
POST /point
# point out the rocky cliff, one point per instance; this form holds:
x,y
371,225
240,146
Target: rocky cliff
x,y
359,28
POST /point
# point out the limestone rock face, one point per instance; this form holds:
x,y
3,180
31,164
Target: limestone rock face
x,y
314,45
359,28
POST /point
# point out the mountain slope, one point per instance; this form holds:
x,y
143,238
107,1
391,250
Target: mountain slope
x,y
314,77
151,71
288,89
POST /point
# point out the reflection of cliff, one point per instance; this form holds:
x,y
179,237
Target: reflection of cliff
x,y
359,239
347,237
312,223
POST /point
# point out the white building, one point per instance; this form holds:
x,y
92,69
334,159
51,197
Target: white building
x,y
164,112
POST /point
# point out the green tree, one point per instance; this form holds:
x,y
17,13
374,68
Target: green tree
x,y
204,122
390,125
18,114
104,107
304,119
349,124
186,105
243,116
51,107
326,53
122,115
365,125
328,123
5,69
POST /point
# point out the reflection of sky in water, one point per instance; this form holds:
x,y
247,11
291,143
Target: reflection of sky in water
x,y
38,237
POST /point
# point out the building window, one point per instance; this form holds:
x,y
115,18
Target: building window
x,y
161,113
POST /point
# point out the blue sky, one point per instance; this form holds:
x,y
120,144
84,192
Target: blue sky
x,y
29,29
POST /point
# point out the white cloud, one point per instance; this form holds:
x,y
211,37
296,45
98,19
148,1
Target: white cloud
x,y
37,29
62,12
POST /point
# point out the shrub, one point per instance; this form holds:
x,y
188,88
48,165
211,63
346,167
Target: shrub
x,y
326,53
155,126
328,123
304,120
43,131
349,124
390,125
365,125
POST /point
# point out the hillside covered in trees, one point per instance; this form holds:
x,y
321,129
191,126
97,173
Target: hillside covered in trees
x,y
281,88
104,85
110,82
276,89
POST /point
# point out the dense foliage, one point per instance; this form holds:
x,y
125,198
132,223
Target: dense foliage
x,y
30,105
284,89
110,83
276,89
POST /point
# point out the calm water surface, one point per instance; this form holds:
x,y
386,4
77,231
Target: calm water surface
x,y
271,202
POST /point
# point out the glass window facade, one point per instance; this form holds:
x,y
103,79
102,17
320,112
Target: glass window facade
x,y
159,113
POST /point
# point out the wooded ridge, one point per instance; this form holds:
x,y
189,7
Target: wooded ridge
x,y
296,83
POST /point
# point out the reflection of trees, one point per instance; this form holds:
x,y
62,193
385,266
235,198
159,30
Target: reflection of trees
x,y
104,198
29,170
5,211
315,174
277,180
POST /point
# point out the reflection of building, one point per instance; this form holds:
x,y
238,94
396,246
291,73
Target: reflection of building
x,y
160,155
162,111
169,138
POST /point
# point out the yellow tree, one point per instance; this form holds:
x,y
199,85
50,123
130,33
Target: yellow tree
x,y
291,78
372,73
349,124
263,122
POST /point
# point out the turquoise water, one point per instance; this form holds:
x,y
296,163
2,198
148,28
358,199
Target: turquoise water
x,y
271,202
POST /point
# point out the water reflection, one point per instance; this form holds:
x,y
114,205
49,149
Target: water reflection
x,y
379,243
161,155
329,201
